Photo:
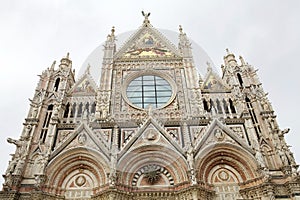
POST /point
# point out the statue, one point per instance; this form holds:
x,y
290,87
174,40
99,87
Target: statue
x,y
39,181
282,157
265,104
190,157
19,167
289,155
113,169
34,112
146,15
190,161
294,171
219,135
42,162
11,167
27,132
56,110
260,159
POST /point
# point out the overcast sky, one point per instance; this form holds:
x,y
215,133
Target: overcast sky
x,y
35,33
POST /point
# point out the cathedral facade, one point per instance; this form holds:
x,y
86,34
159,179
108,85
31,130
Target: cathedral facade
x,y
152,128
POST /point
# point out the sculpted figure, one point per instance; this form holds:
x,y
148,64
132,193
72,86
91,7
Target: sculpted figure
x,y
260,159
289,155
11,167
34,112
42,164
283,157
27,131
190,160
56,110
190,157
19,167
113,169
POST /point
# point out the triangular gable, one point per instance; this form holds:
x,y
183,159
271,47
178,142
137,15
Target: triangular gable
x,y
151,131
82,136
220,133
84,86
213,83
147,43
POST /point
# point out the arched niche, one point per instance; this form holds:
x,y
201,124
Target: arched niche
x,y
225,167
77,173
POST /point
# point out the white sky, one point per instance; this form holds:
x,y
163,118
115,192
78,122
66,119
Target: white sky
x,y
34,33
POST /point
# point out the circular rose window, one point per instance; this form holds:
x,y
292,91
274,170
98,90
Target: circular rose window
x,y
147,90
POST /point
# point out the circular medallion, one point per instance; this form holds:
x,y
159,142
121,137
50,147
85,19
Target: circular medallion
x,y
223,175
80,180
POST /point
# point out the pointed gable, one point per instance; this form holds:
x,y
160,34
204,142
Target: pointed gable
x,y
213,83
222,134
147,43
83,136
84,86
151,133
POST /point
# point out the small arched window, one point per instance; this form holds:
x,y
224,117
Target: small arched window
x,y
93,109
80,110
87,108
47,119
225,106
232,108
73,110
67,110
205,105
240,79
56,85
